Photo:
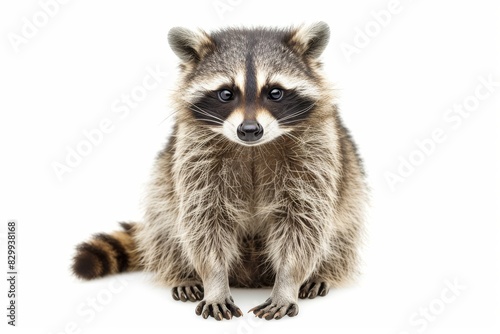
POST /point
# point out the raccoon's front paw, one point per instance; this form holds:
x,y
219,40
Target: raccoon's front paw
x,y
275,310
312,289
191,292
218,309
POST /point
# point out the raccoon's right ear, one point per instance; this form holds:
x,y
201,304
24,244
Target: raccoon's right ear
x,y
188,45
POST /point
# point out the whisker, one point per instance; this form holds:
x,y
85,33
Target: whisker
x,y
297,113
210,120
206,113
203,112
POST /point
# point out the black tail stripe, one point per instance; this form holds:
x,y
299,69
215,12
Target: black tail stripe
x,y
127,227
99,253
121,253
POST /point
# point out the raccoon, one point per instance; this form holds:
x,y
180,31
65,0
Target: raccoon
x,y
260,184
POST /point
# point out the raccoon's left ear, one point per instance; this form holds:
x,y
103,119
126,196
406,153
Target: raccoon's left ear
x,y
188,45
309,40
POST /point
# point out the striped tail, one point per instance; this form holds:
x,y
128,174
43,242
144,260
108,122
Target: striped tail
x,y
106,254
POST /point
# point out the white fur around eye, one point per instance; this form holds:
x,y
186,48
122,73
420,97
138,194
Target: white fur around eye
x,y
300,85
198,89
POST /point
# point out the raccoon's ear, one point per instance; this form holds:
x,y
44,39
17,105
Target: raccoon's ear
x,y
309,40
188,45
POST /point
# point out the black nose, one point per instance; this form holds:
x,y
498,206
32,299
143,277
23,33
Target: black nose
x,y
250,131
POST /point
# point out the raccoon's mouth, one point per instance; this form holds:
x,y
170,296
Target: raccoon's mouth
x,y
248,139
255,143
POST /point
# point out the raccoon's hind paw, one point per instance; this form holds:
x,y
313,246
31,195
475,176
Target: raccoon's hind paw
x,y
218,310
275,310
312,289
191,292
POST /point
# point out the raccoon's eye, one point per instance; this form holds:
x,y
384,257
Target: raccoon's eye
x,y
225,95
275,94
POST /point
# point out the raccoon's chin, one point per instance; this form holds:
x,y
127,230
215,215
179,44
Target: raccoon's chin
x,y
249,144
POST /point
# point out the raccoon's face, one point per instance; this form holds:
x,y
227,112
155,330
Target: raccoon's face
x,y
251,85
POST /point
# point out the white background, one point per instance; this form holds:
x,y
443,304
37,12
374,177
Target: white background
x,y
440,224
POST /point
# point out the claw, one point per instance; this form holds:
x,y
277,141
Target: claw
x,y
270,310
218,310
293,311
264,304
199,308
266,316
280,313
175,295
313,289
312,294
259,313
188,292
